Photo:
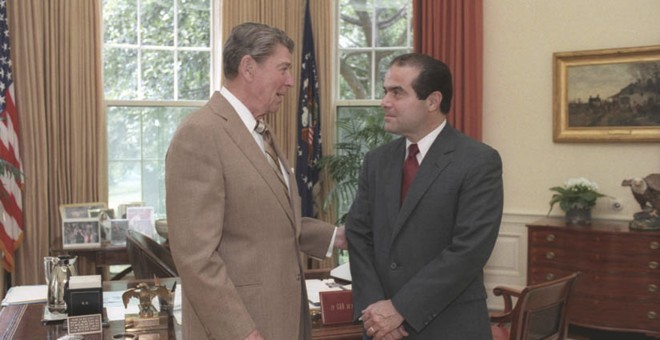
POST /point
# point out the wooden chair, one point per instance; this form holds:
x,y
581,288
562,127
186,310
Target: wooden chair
x,y
149,258
539,313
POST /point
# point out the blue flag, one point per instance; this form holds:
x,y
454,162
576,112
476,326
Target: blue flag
x,y
309,123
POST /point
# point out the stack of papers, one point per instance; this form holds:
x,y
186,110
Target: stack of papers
x,y
19,295
342,272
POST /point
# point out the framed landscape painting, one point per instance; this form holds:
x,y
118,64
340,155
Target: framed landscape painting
x,y
610,95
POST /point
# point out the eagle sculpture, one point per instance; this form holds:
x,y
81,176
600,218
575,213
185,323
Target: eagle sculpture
x,y
646,192
145,294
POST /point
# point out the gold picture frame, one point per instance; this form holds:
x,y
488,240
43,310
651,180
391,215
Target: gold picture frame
x,y
609,95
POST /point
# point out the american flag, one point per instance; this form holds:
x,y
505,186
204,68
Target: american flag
x,y
309,123
11,191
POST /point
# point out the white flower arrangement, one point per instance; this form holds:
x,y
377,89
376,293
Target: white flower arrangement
x,y
576,193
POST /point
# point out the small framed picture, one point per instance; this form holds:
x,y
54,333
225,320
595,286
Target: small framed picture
x,y
81,233
104,216
79,210
121,209
109,213
141,219
119,228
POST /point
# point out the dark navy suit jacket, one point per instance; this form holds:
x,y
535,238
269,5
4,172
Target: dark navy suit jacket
x,y
427,254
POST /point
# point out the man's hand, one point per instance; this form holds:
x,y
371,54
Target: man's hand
x,y
255,335
340,238
382,321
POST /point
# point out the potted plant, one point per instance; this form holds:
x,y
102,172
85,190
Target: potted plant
x,y
358,133
576,198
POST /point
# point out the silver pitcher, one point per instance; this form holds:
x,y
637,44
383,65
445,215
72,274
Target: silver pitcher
x,y
58,270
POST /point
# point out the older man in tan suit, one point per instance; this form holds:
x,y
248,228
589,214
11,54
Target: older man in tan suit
x,y
235,228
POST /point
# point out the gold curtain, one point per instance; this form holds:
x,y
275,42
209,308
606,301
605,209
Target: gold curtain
x,y
57,59
288,15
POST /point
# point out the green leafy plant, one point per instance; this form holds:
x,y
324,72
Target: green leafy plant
x,y
576,193
358,133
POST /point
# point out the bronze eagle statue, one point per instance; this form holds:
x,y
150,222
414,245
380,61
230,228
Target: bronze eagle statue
x,y
646,191
145,294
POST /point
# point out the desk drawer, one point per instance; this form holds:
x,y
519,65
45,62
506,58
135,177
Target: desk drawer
x,y
614,314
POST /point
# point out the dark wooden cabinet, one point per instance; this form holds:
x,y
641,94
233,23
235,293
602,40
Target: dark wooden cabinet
x,y
619,286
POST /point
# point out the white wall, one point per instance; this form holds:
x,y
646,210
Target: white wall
x,y
520,37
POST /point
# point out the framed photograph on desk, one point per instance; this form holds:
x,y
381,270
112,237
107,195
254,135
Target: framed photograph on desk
x,y
118,231
81,233
79,210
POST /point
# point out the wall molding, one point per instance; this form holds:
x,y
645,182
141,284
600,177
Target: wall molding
x,y
507,265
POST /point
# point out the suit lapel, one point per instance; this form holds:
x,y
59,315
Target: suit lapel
x,y
435,161
236,130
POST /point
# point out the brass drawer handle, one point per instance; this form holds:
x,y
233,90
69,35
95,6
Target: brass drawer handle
x,y
550,255
653,265
651,315
654,245
550,277
653,288
551,237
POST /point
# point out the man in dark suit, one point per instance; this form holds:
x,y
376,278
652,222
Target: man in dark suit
x,y
417,254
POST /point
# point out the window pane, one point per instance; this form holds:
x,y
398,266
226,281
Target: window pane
x,y
392,23
355,81
137,145
153,186
124,131
194,23
158,74
159,125
120,73
157,22
355,24
194,73
120,21
124,182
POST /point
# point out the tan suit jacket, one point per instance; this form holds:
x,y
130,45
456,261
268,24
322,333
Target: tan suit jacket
x,y
235,238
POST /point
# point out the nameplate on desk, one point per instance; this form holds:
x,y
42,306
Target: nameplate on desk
x,y
85,324
336,307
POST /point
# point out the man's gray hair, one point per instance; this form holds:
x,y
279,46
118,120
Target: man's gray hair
x,y
254,39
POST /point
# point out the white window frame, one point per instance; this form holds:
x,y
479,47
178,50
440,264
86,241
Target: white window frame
x,y
215,49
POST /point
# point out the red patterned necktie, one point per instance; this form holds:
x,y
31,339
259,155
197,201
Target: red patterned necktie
x,y
271,155
410,167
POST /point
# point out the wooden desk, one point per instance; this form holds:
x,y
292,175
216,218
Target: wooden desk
x,y
618,288
24,322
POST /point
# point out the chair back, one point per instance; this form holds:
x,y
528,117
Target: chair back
x,y
149,258
541,310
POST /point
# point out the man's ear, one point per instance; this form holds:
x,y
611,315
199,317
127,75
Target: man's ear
x,y
246,67
433,101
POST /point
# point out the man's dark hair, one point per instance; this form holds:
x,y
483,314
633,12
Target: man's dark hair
x,y
254,39
434,75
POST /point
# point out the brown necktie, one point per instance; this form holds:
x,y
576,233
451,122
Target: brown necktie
x,y
269,147
410,167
